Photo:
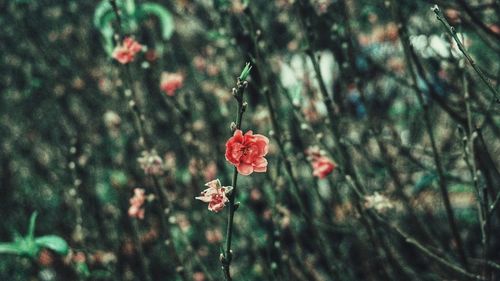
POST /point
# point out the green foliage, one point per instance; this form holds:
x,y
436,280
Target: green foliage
x,y
166,19
425,181
30,245
53,242
104,17
245,72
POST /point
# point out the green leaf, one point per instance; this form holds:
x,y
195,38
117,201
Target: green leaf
x,y
165,17
107,34
246,71
424,182
31,228
128,6
118,178
53,242
101,14
103,19
9,248
83,269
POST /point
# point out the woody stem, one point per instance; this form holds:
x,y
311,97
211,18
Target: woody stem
x,y
227,256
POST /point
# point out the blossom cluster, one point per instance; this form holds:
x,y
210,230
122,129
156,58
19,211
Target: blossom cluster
x,y
136,209
246,152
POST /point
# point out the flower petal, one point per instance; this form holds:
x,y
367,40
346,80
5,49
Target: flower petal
x,y
260,165
245,169
262,143
205,199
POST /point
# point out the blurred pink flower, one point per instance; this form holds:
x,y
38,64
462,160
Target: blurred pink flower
x,y
215,195
322,165
213,236
151,163
151,55
125,52
79,257
199,63
171,82
136,202
210,170
199,276
247,152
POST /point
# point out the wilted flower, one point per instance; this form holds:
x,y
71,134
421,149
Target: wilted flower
x,y
378,202
151,163
322,165
125,53
215,195
135,210
170,82
247,152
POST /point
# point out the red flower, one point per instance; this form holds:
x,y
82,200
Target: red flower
x,y
126,52
170,82
247,152
322,167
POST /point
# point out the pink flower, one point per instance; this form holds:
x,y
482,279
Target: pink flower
x,y
210,170
136,202
199,276
322,165
247,152
171,82
151,163
215,195
125,52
